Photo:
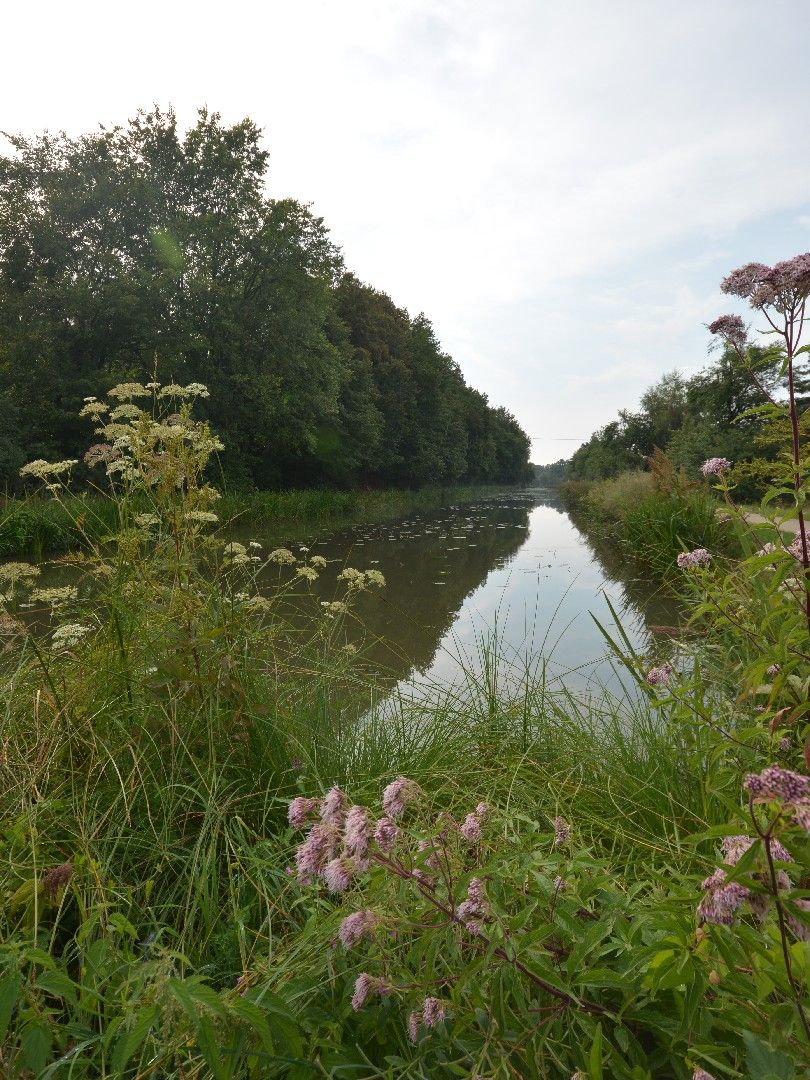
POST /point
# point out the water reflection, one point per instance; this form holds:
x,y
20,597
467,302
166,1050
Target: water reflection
x,y
516,563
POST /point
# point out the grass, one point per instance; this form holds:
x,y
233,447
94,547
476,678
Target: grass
x,y
35,527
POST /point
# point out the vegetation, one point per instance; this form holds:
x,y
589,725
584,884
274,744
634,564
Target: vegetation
x,y
138,251
217,863
35,526
729,410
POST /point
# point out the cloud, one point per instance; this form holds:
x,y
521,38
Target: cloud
x,y
559,187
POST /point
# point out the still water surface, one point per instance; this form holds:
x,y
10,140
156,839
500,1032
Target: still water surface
x,y
515,563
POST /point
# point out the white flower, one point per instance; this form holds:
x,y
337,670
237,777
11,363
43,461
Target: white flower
x,y
202,516
67,635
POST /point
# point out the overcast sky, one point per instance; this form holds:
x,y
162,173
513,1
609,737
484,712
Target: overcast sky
x,y
558,186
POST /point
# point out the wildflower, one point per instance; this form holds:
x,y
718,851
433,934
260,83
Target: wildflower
x,y
336,607
698,557
731,328
318,560
355,927
768,548
397,795
309,573
775,782
56,879
234,549
701,1074
259,604
659,676
773,669
386,833
559,883
715,466
203,517
333,805
282,556
127,391
94,409
482,809
721,900
126,411
146,520
69,634
350,650
433,859
414,1020
562,831
317,850
432,1012
374,577
338,874
254,544
358,832
354,578
13,572
366,984
471,829
474,909
299,810
796,549
799,928
56,596
743,281
43,469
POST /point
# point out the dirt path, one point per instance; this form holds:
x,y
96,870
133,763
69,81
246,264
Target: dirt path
x,y
753,518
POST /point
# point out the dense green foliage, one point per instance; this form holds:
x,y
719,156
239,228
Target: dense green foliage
x,y
716,413
140,249
158,713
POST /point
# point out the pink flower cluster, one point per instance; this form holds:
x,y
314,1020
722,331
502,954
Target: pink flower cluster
x,y
796,549
562,831
397,796
715,466
336,847
431,1014
659,676
356,927
471,828
701,1074
790,788
365,985
474,909
698,557
780,285
731,328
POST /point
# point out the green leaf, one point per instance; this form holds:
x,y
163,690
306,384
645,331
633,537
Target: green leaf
x,y
763,1063
35,1045
132,1039
9,988
595,1059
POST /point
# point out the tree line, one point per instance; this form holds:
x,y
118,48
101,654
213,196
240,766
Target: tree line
x,y
140,249
719,412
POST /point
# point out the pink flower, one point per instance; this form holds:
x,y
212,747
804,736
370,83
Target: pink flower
x,y
799,928
731,328
432,1012
698,557
701,1074
397,795
333,806
299,810
659,676
474,909
796,549
338,874
715,466
743,281
433,859
414,1020
364,985
775,782
482,809
319,847
471,829
721,900
774,669
386,833
358,832
561,831
355,927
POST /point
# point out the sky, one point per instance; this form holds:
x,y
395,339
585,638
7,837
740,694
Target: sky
x,y
558,187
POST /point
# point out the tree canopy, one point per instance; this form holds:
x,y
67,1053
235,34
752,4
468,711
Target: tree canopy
x,y
143,248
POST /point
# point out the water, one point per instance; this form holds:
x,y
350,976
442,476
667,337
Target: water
x,y
516,564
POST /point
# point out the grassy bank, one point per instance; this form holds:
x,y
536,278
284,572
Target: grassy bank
x,y
223,857
34,527
652,518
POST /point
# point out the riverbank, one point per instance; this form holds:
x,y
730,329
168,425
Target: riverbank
x,y
652,518
36,526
